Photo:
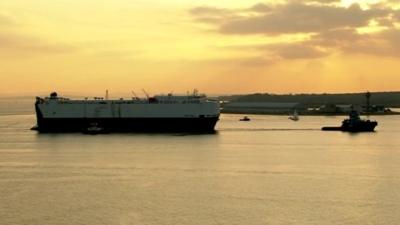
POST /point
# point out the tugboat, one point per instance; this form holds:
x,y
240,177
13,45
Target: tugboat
x,y
245,118
354,124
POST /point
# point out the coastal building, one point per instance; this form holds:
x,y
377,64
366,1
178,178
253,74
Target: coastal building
x,y
262,107
376,109
340,108
347,108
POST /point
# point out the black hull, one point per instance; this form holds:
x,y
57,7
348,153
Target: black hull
x,y
193,125
359,127
130,125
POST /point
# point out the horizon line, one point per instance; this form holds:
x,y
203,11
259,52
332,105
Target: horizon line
x,y
123,94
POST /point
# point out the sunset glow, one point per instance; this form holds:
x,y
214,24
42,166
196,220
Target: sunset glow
x,y
218,47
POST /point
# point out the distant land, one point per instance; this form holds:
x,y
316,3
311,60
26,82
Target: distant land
x,y
386,99
25,104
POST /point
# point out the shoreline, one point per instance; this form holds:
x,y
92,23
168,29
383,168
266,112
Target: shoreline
x,y
250,113
309,113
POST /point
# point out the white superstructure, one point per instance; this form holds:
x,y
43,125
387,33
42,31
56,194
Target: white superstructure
x,y
168,106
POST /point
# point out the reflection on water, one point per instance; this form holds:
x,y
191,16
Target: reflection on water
x,y
266,171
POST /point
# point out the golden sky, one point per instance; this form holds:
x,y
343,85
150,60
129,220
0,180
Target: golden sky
x,y
218,47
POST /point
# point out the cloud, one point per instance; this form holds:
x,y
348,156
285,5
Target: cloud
x,y
348,41
289,51
203,10
385,43
19,44
336,38
259,61
345,41
260,7
300,18
23,45
298,51
293,17
396,15
211,15
263,7
330,28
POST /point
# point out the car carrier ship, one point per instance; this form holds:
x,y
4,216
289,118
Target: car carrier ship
x,y
161,113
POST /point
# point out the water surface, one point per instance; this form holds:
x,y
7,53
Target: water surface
x,y
267,171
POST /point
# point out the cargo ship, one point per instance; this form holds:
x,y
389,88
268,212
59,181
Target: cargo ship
x,y
161,113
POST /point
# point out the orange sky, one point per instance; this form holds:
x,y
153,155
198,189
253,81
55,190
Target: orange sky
x,y
218,47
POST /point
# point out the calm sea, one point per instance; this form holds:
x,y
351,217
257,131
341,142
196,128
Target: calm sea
x,y
266,171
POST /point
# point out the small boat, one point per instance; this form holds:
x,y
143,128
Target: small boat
x,y
354,124
295,116
245,118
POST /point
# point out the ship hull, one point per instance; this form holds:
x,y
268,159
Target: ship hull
x,y
51,125
360,127
169,114
129,124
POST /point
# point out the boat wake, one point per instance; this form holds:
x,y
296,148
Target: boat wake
x,y
268,129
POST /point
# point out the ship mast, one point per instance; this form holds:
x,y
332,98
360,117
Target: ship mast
x,y
368,97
